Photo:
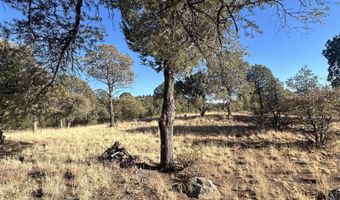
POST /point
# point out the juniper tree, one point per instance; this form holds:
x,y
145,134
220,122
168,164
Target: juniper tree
x,y
173,36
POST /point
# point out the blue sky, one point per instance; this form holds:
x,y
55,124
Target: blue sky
x,y
284,52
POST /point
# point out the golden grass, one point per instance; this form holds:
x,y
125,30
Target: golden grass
x,y
245,162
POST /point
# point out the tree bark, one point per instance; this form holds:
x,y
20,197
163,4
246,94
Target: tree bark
x,y
69,123
166,121
111,106
61,125
203,109
34,123
229,110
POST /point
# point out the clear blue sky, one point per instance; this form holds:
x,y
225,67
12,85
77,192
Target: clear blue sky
x,y
284,52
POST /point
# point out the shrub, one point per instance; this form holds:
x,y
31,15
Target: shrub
x,y
317,109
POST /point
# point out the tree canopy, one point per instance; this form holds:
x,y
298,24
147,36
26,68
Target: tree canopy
x,y
332,53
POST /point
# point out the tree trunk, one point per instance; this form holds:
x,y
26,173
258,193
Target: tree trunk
x,y
203,109
202,113
34,123
166,121
229,110
61,125
2,137
69,123
111,106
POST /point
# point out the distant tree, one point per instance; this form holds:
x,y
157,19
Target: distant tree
x,y
261,78
102,107
79,100
125,94
109,66
195,88
303,82
332,54
69,100
268,94
227,78
129,107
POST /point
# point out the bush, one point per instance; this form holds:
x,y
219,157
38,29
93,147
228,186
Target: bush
x,y
317,109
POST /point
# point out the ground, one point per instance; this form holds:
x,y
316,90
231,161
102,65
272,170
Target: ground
x,y
243,160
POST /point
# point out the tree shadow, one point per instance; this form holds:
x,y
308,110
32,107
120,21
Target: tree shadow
x,y
301,144
12,148
206,130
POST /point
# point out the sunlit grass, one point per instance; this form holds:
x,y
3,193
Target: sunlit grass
x,y
243,162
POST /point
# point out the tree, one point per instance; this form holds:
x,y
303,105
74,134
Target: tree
x,y
261,77
303,82
130,107
20,80
69,100
332,54
102,107
173,36
268,95
227,77
109,66
195,88
57,31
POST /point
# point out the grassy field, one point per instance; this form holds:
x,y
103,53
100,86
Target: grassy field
x,y
243,160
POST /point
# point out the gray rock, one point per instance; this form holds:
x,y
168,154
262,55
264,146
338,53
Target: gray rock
x,y
334,194
201,188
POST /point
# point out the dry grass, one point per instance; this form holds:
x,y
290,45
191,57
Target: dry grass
x,y
244,161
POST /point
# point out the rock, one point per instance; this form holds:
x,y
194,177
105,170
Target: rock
x,y
334,194
201,188
117,152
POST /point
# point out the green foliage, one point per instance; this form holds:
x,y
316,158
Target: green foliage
x,y
129,108
332,54
106,64
266,89
227,77
57,30
195,89
20,80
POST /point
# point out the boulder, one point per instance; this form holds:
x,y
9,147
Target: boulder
x,y
201,188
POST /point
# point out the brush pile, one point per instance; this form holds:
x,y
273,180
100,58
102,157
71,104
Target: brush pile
x,y
118,153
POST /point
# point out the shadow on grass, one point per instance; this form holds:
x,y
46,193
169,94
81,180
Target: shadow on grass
x,y
206,130
12,148
305,145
